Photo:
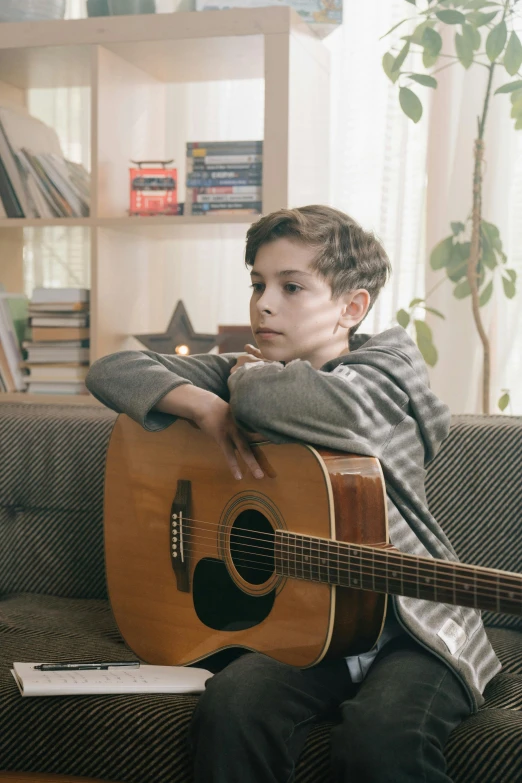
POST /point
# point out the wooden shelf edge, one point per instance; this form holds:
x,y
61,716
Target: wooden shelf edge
x,y
106,30
129,222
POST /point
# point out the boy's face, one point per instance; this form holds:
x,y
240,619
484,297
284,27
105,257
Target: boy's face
x,y
296,303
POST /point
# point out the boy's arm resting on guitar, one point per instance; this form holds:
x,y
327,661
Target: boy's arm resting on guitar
x,y
300,403
140,384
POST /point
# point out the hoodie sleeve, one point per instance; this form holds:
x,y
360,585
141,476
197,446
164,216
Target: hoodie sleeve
x,y
347,409
133,382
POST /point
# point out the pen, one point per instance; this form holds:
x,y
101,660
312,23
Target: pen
x,y
56,667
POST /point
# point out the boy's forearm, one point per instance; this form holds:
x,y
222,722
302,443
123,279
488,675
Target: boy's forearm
x,y
185,401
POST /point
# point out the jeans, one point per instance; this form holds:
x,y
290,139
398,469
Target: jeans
x,y
252,721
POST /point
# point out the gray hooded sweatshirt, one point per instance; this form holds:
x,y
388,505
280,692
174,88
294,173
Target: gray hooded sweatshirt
x,y
373,401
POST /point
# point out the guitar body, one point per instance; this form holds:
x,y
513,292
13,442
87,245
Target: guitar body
x,y
190,550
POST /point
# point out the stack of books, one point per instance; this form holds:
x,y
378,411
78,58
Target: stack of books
x,y
13,326
224,177
35,178
58,352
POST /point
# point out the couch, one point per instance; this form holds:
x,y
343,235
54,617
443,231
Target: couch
x,y
53,601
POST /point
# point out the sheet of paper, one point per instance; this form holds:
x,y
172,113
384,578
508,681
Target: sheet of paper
x,y
145,679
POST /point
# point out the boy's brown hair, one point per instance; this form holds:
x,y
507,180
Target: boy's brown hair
x,y
348,257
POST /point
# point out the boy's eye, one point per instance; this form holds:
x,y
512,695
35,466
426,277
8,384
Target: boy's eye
x,y
257,287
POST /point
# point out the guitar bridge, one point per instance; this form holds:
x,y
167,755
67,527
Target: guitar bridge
x,y
178,539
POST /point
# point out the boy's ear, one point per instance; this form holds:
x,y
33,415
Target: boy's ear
x,y
355,307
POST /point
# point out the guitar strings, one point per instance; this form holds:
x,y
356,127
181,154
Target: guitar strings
x,y
386,554
252,565
437,582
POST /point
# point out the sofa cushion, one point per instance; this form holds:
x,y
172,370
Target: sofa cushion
x,y
474,491
51,498
141,738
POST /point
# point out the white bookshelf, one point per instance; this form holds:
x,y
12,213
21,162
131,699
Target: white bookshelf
x,y
128,64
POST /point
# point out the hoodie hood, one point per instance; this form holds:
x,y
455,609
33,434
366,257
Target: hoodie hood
x,y
394,353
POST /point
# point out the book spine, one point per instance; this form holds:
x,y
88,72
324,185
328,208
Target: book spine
x,y
226,198
210,159
197,148
245,190
229,168
198,182
204,208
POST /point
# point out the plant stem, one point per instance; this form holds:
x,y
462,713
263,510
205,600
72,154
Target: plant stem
x,y
475,252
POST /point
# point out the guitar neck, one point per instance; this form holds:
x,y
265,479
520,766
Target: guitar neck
x,y
387,570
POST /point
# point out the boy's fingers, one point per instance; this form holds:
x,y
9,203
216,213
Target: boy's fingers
x,y
246,452
230,454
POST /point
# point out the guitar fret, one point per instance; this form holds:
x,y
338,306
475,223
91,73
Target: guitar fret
x,y
394,572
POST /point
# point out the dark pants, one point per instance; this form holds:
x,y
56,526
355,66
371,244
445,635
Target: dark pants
x,y
252,721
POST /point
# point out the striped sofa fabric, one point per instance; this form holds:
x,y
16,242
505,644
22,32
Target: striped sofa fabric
x,y
53,600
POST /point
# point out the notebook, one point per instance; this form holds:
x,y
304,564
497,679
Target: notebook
x,y
145,679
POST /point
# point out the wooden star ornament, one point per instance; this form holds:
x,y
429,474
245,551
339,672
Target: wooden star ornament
x,y
179,337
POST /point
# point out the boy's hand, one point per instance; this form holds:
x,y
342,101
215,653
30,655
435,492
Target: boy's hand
x,y
253,354
215,419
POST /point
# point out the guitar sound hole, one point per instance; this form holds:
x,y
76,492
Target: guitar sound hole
x,y
220,604
252,547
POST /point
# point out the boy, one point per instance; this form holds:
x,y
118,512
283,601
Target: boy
x,y
315,275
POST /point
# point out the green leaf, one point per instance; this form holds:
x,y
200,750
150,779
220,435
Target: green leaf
x,y
450,17
513,54
496,41
423,330
387,65
491,235
509,288
416,36
415,302
424,340
395,26
489,259
518,124
509,87
479,19
457,228
472,36
485,296
435,312
512,274
432,41
426,81
464,49
401,57
413,2
403,318
410,104
462,290
441,254
503,402
458,264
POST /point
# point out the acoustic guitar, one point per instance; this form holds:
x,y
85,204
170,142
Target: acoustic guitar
x,y
296,565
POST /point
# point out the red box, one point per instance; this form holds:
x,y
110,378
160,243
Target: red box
x,y
153,191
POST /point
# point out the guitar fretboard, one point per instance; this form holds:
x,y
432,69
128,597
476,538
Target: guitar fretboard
x,y
390,571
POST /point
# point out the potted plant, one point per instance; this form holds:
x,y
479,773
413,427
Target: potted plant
x,y
472,256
